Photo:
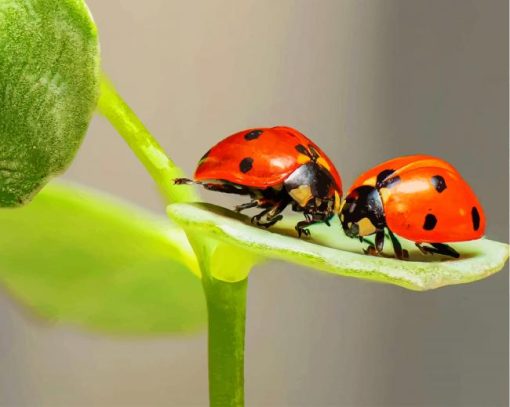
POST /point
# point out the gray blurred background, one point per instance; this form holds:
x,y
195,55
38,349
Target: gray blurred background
x,y
367,80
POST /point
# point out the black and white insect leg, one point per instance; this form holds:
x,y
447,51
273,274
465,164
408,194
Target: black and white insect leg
x,y
262,198
438,248
219,186
183,181
271,214
311,218
377,248
400,253
247,205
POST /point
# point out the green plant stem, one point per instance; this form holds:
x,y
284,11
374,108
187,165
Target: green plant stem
x,y
226,302
226,307
162,169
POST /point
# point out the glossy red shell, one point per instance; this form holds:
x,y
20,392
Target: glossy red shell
x,y
271,153
420,208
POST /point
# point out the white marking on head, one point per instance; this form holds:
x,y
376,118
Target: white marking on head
x,y
301,194
366,227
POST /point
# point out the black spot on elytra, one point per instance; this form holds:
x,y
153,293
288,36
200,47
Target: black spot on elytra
x,y
253,135
439,183
246,164
302,149
475,216
383,182
430,222
383,175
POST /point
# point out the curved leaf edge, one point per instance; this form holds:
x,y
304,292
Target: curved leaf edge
x,y
116,213
115,208
479,259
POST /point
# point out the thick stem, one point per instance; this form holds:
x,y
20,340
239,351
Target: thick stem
x,y
226,302
226,305
144,145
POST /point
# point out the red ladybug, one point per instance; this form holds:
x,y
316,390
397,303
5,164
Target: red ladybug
x,y
276,167
418,197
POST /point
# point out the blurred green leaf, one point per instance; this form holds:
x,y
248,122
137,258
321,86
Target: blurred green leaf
x,y
331,251
82,258
49,84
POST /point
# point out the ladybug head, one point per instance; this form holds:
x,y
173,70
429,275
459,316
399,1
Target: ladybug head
x,y
362,213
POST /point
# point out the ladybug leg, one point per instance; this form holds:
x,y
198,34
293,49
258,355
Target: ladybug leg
x,y
445,250
311,219
379,241
364,240
271,214
438,248
374,250
423,249
271,220
400,253
301,227
247,205
265,198
370,248
256,219
226,188
371,251
183,181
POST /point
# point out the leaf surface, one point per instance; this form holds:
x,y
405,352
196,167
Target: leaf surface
x,y
329,250
83,258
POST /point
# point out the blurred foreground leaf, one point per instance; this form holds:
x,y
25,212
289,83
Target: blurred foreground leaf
x,y
49,83
331,251
82,258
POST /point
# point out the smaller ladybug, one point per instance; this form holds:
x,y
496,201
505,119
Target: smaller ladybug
x,y
418,197
276,167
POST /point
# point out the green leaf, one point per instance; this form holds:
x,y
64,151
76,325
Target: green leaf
x,y
49,84
331,251
82,258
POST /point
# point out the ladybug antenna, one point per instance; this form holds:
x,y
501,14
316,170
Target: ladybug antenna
x,y
314,154
310,152
184,181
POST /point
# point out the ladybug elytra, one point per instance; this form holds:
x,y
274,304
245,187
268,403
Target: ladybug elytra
x,y
419,197
276,167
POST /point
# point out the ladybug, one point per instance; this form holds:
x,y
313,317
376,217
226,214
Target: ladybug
x,y
276,167
419,197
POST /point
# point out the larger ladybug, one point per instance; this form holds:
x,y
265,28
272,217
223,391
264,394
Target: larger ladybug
x,y
276,167
419,197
